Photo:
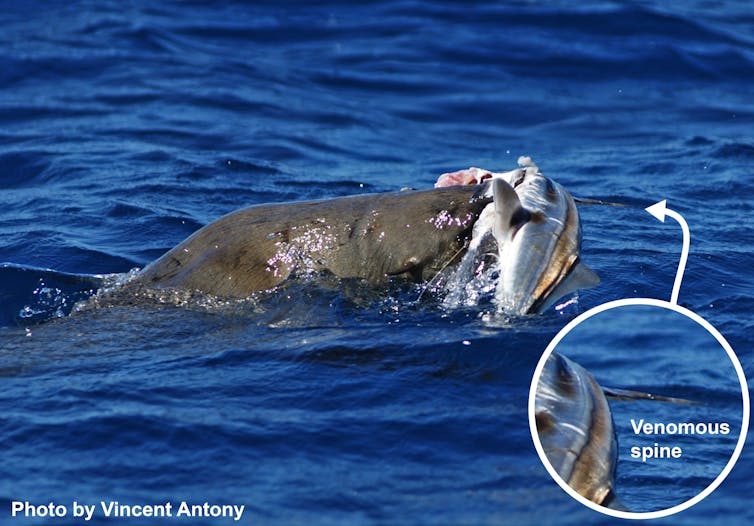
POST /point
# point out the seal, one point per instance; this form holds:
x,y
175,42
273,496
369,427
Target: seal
x,y
412,234
530,221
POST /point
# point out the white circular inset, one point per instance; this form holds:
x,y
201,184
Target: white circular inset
x,y
741,380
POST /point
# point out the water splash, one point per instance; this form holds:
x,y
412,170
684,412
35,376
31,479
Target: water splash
x,y
48,302
34,295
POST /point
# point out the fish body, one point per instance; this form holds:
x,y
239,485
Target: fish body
x,y
538,231
537,236
575,428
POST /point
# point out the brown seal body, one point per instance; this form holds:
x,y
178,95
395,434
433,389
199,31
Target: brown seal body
x,y
366,236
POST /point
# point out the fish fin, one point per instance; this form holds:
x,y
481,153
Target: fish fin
x,y
584,277
580,277
509,213
629,395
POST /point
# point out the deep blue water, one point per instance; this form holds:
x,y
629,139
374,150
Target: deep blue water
x,y
659,351
125,127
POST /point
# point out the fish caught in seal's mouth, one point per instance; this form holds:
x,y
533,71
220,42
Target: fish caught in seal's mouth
x,y
535,225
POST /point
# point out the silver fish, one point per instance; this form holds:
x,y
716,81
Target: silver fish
x,y
575,427
538,234
533,228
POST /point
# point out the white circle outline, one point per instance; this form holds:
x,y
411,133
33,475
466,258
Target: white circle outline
x,y
652,302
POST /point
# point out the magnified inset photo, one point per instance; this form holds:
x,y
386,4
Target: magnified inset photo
x,y
637,411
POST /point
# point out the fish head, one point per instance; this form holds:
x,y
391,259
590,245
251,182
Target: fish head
x,y
538,233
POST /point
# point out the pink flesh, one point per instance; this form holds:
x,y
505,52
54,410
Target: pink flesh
x,y
468,176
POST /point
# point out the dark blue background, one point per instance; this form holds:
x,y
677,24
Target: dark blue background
x,y
126,126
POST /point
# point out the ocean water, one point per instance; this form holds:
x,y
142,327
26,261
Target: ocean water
x,y
663,352
124,127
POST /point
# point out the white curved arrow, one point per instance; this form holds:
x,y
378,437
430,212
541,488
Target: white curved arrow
x,y
659,211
